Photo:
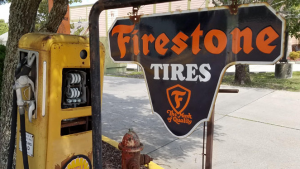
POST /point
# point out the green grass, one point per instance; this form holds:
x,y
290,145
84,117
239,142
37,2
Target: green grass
x,y
259,80
268,80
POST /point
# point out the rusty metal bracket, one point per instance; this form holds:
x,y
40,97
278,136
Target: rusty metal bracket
x,y
210,134
135,18
233,7
97,8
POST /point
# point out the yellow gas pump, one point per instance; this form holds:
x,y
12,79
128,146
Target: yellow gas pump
x,y
57,101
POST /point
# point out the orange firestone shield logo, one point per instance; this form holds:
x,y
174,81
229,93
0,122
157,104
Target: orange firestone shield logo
x,y
178,97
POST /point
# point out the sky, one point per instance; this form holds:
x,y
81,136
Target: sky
x,y
4,9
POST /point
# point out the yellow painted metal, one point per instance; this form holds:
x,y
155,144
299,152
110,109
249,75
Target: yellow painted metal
x,y
51,150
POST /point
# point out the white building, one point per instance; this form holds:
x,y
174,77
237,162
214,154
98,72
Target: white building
x,y
81,13
107,17
3,38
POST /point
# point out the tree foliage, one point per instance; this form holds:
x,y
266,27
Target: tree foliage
x,y
294,55
78,31
43,14
3,26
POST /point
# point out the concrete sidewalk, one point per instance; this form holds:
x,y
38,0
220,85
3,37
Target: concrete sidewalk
x,y
256,128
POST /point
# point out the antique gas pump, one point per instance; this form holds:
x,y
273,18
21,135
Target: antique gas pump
x,y
53,94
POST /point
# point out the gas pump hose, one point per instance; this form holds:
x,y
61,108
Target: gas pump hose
x,y
12,142
13,134
13,126
13,129
23,137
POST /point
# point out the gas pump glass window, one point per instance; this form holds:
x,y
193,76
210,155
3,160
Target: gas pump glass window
x,y
75,88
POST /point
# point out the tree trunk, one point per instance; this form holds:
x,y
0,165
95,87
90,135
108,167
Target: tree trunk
x,y
21,21
56,15
242,74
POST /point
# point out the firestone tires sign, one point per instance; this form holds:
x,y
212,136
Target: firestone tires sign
x,y
185,54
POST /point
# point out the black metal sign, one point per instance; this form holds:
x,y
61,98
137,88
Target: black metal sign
x,y
185,54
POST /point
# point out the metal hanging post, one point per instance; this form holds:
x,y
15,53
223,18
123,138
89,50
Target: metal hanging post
x,y
210,140
203,146
96,10
210,132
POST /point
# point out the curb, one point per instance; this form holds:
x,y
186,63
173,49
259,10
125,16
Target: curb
x,y
114,143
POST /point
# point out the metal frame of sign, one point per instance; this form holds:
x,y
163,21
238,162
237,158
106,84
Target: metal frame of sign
x,y
224,69
95,71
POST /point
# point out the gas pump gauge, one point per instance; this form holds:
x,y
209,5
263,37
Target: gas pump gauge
x,y
75,88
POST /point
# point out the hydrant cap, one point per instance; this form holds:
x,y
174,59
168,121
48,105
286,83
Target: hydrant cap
x,y
131,139
131,142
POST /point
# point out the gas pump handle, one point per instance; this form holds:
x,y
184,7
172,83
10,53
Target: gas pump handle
x,y
24,81
30,110
30,60
31,85
21,82
25,71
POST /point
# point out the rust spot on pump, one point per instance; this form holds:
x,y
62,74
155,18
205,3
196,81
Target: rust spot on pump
x,y
64,162
90,155
46,38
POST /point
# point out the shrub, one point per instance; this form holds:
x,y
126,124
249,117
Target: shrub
x,y
294,55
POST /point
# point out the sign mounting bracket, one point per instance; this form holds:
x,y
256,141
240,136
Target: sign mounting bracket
x,y
233,7
135,18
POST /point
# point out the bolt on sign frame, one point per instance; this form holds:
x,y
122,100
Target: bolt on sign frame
x,y
96,10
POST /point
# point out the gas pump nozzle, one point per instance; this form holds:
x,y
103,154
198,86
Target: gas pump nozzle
x,y
23,81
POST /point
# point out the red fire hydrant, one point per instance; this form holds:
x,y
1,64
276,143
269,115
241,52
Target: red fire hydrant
x,y
131,148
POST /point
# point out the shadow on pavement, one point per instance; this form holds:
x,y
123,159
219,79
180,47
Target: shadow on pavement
x,y
121,113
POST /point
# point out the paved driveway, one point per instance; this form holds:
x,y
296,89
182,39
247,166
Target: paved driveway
x,y
256,128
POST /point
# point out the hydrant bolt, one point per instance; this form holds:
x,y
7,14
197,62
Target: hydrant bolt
x,y
145,159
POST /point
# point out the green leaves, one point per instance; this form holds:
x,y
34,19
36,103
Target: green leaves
x,y
294,55
74,1
78,31
43,13
3,26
